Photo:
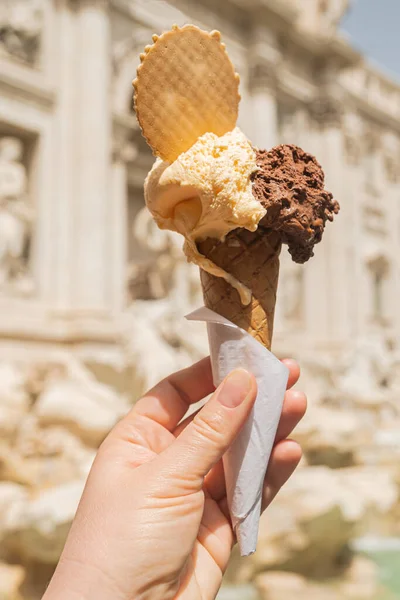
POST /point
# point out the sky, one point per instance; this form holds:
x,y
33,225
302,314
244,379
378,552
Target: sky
x,y
374,28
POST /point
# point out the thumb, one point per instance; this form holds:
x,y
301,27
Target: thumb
x,y
205,440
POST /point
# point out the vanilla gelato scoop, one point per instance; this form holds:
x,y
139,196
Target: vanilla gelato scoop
x,y
206,193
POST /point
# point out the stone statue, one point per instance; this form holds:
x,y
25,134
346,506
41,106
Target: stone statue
x,y
353,132
391,146
163,288
165,272
322,16
331,12
16,216
394,381
366,372
21,23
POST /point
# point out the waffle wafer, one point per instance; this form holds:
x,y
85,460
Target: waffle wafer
x,y
186,86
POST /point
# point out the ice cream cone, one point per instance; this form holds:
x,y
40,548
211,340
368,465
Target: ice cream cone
x,y
253,259
235,205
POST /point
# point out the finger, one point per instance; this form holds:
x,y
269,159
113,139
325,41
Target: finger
x,y
224,508
214,482
183,424
294,371
294,409
213,429
215,534
169,400
284,459
294,374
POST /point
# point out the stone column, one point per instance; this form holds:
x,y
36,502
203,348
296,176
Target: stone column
x,y
352,202
263,104
331,280
377,211
62,230
383,224
295,295
263,59
124,151
391,170
93,279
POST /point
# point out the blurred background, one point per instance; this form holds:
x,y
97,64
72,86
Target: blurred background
x,y
92,295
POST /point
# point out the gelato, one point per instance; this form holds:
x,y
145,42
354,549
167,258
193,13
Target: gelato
x,y
289,183
222,184
206,193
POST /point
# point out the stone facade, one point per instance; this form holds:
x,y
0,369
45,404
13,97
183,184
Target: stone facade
x,y
68,246
86,277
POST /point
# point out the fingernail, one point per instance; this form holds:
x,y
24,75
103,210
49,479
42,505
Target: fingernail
x,y
235,388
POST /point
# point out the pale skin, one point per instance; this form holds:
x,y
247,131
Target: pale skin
x,y
153,522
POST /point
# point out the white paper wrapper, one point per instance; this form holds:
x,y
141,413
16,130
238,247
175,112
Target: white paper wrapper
x,y
246,462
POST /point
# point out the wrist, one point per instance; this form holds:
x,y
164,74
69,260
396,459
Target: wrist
x,y
75,580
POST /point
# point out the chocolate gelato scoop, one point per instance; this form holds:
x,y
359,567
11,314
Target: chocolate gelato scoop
x,y
290,185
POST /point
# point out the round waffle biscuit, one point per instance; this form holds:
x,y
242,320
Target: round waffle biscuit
x,y
186,86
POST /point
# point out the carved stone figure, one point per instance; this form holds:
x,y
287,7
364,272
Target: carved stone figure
x,y
322,16
379,268
16,216
163,288
391,146
326,108
21,23
331,12
165,273
353,132
263,75
365,375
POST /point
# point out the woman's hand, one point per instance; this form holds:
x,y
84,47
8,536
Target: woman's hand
x,y
153,522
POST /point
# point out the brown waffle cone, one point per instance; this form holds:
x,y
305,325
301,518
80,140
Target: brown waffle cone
x,y
253,259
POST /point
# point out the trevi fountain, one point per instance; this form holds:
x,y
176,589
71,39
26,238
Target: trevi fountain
x,y
93,296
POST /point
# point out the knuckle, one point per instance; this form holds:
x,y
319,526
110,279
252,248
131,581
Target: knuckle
x,y
210,427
